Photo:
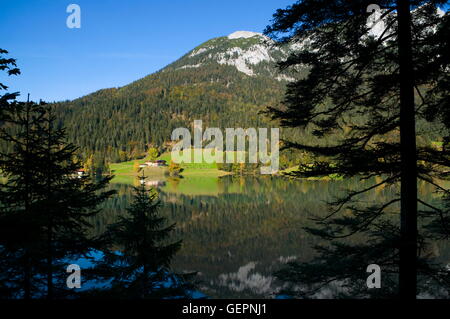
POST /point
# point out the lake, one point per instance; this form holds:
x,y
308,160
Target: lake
x,y
237,231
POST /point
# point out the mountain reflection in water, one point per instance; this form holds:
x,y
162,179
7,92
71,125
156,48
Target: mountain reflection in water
x,y
237,231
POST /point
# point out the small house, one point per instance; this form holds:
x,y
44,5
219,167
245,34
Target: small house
x,y
156,163
151,164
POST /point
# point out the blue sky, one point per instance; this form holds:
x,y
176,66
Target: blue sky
x,y
118,42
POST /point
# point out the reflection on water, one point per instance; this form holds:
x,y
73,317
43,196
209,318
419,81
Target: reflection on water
x,y
155,183
237,231
246,278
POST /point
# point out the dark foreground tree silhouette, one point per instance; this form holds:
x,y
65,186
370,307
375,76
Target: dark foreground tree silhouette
x,y
360,103
44,205
137,263
9,66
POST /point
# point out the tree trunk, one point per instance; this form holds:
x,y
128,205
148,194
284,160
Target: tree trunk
x,y
49,212
27,275
408,214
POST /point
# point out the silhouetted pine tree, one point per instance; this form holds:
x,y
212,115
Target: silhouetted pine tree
x,y
68,201
19,226
6,269
360,103
138,261
44,205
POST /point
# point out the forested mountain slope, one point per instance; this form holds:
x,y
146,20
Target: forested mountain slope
x,y
225,82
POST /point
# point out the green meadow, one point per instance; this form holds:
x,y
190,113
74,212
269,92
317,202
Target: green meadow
x,y
203,169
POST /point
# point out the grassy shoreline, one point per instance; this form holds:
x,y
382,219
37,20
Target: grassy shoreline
x,y
125,170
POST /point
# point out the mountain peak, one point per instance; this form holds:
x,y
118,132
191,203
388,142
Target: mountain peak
x,y
243,34
249,52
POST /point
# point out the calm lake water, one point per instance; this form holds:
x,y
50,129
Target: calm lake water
x,y
237,231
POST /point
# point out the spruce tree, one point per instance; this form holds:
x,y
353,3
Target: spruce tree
x,y
44,205
20,227
360,103
138,259
6,269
